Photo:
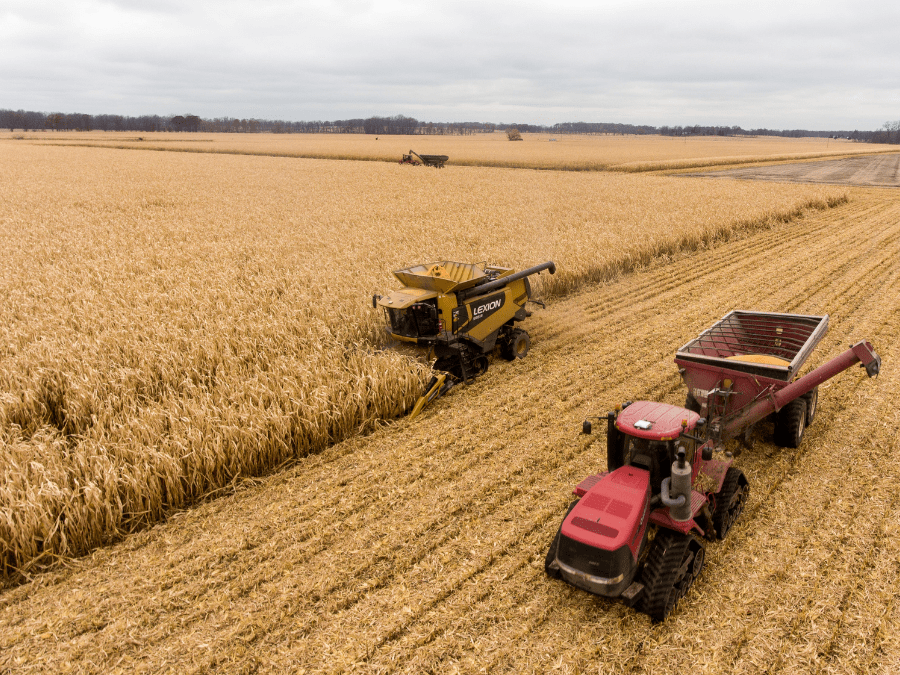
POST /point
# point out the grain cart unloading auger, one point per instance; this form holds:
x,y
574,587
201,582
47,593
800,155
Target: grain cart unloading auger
x,y
638,531
461,312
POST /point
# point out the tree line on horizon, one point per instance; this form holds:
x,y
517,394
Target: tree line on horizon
x,y
396,125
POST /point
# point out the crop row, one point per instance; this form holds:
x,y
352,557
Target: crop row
x,y
173,322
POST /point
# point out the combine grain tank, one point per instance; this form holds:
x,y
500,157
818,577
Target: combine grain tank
x,y
638,531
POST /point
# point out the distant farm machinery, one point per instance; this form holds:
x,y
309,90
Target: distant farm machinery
x,y
436,161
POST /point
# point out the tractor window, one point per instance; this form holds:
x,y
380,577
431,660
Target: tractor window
x,y
418,320
654,456
640,451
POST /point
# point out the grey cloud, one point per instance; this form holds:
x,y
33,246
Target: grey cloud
x,y
784,65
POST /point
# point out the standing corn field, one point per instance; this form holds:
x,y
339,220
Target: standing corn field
x,y
171,322
420,547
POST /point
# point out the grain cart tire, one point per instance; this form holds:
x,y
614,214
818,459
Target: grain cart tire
x,y
551,552
790,423
812,404
669,572
729,501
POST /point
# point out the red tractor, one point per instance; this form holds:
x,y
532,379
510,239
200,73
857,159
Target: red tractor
x,y
638,531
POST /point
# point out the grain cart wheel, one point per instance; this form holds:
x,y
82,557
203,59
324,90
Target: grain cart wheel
x,y
812,404
551,552
669,572
729,501
790,422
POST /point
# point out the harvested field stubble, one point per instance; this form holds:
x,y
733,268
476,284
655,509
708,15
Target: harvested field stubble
x,y
420,548
171,322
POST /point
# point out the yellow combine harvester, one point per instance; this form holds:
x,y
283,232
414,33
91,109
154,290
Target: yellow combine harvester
x,y
461,312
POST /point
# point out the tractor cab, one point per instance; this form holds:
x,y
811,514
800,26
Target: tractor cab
x,y
648,435
416,322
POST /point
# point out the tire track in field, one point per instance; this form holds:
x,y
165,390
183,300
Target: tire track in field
x,y
830,652
692,278
885,655
829,571
838,538
669,279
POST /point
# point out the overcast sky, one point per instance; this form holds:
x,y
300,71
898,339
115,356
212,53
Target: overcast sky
x,y
780,64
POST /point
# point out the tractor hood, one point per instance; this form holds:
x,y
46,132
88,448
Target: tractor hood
x,y
612,512
601,538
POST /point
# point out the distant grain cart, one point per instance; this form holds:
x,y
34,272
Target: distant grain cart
x,y
436,161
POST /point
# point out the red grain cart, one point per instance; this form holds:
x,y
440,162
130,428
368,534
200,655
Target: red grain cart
x,y
738,372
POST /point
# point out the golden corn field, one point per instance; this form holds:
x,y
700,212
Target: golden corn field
x,y
174,324
568,152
